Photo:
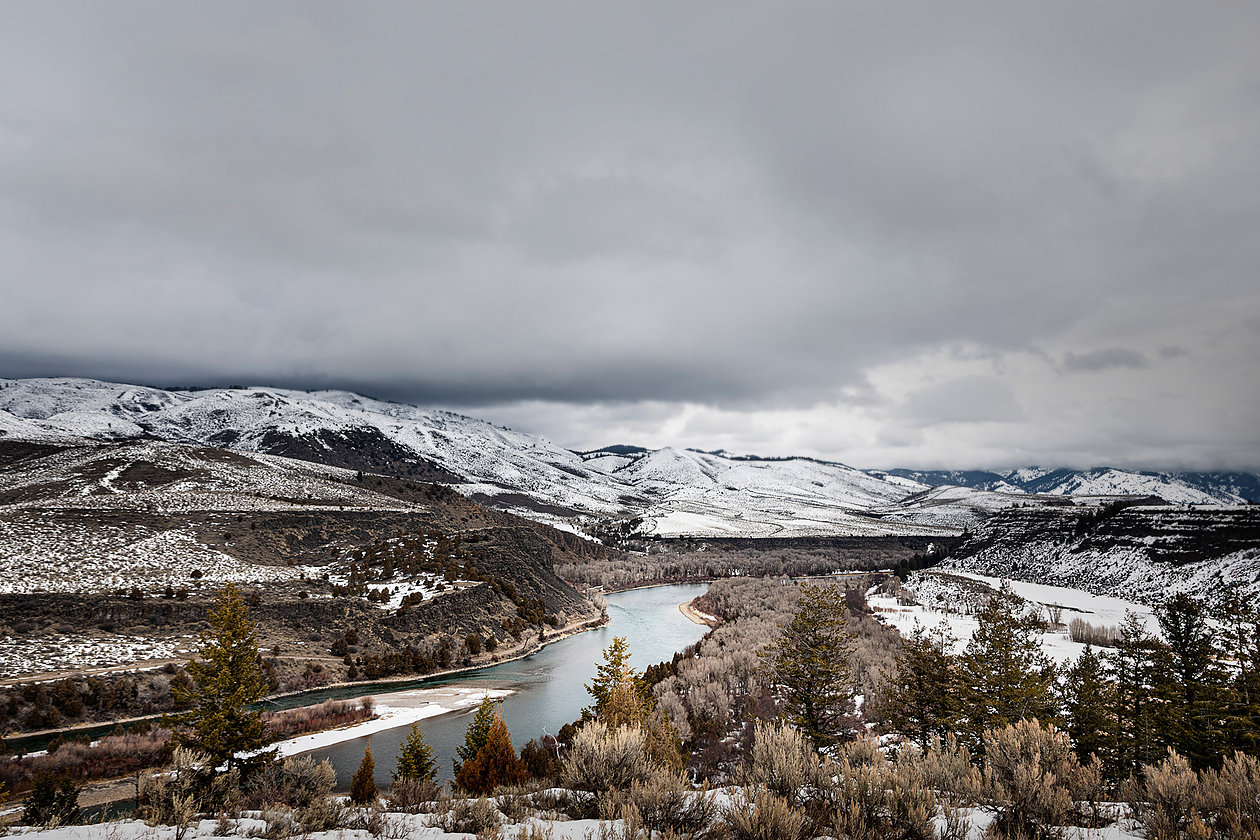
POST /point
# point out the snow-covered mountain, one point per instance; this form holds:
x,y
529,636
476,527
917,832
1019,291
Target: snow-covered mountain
x,y
671,492
1185,488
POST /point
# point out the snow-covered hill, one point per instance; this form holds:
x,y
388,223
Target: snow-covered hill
x,y
673,492
1140,552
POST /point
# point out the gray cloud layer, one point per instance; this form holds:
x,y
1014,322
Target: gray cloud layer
x,y
897,230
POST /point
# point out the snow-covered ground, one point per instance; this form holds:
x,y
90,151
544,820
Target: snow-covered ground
x,y
943,599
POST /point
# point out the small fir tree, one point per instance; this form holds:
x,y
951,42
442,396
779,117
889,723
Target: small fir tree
x,y
1138,659
810,663
494,765
226,678
476,734
1193,688
363,782
416,760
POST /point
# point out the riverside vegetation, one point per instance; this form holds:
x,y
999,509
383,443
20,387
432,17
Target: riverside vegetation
x,y
799,716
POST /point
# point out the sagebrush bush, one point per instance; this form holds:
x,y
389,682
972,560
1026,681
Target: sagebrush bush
x,y
665,803
782,761
413,796
469,817
296,782
760,814
948,770
1168,801
1031,777
868,797
601,758
1233,793
174,797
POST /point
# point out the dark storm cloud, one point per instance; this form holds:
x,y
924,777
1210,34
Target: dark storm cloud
x,y
747,207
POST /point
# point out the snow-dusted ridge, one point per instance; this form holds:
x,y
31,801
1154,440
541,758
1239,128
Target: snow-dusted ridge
x,y
674,492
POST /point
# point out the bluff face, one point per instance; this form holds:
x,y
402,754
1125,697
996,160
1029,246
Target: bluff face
x,y
1141,552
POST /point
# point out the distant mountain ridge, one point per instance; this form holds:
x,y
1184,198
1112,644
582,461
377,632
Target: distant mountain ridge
x,y
1203,488
661,492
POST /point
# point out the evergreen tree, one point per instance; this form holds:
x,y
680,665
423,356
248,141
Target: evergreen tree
x,y
1136,661
1192,687
621,696
810,662
1006,675
226,678
921,699
415,758
1238,616
494,765
1089,703
476,734
363,782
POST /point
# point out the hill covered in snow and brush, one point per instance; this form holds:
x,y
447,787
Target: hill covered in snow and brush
x,y
1138,552
665,492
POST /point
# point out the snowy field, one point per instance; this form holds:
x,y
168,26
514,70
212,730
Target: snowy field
x,y
942,597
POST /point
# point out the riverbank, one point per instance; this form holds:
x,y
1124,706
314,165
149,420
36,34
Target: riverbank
x,y
19,743
394,709
689,609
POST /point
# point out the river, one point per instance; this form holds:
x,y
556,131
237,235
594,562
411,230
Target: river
x,y
548,687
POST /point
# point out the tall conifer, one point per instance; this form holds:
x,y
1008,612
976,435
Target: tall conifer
x,y
810,660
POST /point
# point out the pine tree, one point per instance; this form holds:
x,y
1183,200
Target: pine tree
x,y
226,678
1006,675
921,699
363,782
622,698
415,759
476,734
1089,703
1136,663
810,662
495,764
1192,688
1238,615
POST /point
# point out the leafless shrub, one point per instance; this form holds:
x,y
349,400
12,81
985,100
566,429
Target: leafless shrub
x,y
296,782
470,817
868,797
413,796
1084,633
1233,793
948,770
174,797
664,803
782,762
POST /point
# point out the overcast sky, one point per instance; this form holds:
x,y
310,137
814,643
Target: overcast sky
x,y
935,234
